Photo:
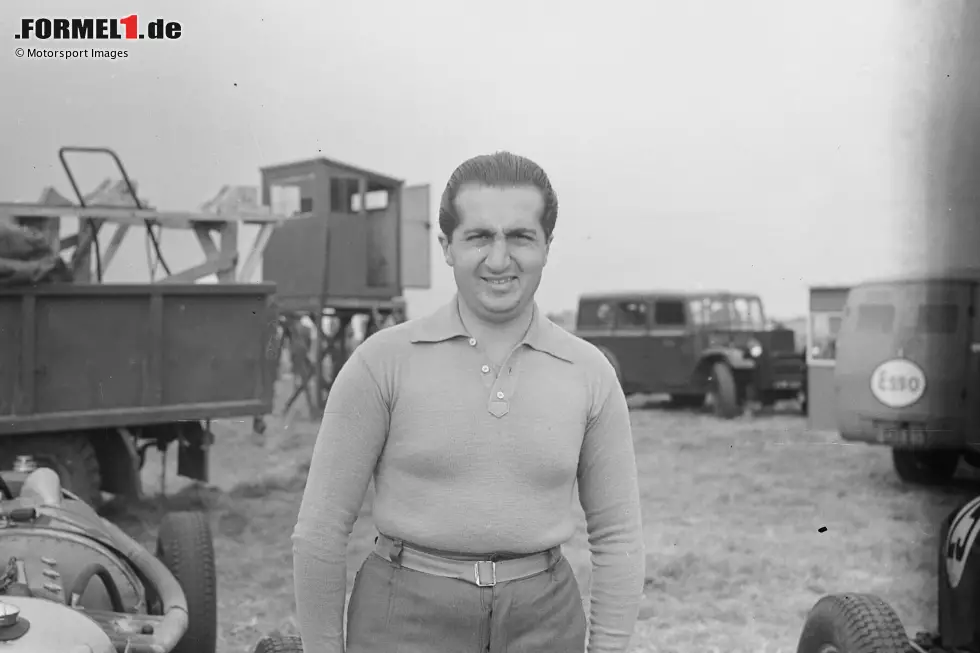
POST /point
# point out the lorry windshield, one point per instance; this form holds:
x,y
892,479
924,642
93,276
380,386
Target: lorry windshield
x,y
743,313
884,319
905,309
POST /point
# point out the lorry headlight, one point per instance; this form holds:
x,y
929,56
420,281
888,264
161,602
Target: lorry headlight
x,y
754,348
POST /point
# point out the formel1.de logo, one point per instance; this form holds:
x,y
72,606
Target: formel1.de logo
x,y
97,29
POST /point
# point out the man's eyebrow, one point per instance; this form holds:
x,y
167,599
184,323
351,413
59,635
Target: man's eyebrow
x,y
483,231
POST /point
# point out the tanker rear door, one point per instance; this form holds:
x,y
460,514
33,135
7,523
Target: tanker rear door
x,y
901,351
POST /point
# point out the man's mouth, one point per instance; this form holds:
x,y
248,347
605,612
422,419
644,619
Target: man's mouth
x,y
499,281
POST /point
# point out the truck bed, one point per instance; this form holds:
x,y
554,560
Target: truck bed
x,y
76,357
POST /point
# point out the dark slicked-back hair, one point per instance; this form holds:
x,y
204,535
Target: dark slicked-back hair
x,y
498,170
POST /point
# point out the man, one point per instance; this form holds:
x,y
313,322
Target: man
x,y
475,422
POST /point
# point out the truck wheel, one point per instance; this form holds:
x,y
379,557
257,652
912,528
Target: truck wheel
x,y
72,456
614,362
279,644
852,623
184,546
925,467
687,401
724,392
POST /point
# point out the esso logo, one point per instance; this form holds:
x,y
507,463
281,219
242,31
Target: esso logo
x,y
898,383
959,541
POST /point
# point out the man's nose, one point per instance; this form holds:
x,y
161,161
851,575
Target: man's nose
x,y
498,258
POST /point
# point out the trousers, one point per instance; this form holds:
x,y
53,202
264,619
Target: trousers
x,y
394,609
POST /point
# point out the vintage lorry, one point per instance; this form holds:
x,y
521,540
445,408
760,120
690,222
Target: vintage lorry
x,y
92,373
695,345
907,371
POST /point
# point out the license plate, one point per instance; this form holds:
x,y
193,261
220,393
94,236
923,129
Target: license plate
x,y
902,437
787,385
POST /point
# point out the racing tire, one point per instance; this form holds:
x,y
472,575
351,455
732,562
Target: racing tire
x,y
724,392
852,623
71,455
279,644
185,547
925,467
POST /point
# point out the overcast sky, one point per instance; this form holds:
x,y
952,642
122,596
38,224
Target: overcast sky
x,y
752,145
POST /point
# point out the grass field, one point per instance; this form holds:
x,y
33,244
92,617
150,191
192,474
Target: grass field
x,y
747,524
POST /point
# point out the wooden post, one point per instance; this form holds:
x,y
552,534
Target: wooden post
x,y
229,249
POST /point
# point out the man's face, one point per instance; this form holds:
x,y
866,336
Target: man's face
x,y
498,250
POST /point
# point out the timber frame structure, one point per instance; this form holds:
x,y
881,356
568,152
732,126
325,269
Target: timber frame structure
x,y
360,238
221,258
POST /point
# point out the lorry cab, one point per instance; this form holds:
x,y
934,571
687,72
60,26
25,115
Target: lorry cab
x,y
906,372
692,345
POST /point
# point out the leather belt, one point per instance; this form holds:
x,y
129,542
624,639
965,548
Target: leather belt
x,y
482,573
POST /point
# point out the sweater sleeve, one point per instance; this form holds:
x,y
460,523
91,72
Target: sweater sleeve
x,y
351,438
610,497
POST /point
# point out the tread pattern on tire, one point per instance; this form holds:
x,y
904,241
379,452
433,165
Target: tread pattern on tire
x,y
185,546
725,391
279,644
854,623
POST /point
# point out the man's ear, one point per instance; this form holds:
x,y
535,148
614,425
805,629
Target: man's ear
x,y
447,253
547,247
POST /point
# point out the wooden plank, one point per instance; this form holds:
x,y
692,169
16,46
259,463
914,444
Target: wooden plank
x,y
255,255
229,249
114,244
138,415
216,266
26,397
203,233
138,217
153,372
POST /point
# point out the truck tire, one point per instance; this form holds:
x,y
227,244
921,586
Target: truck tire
x,y
71,455
614,362
687,400
852,623
185,547
279,644
925,467
724,392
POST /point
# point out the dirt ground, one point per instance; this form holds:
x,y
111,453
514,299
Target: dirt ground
x,y
747,524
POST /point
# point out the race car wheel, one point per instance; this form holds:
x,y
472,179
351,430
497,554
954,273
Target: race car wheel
x,y
724,392
925,467
279,644
852,623
185,547
71,455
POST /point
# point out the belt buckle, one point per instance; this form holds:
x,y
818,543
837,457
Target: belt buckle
x,y
479,577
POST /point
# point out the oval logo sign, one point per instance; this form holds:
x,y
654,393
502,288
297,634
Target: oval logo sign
x,y
959,542
898,383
